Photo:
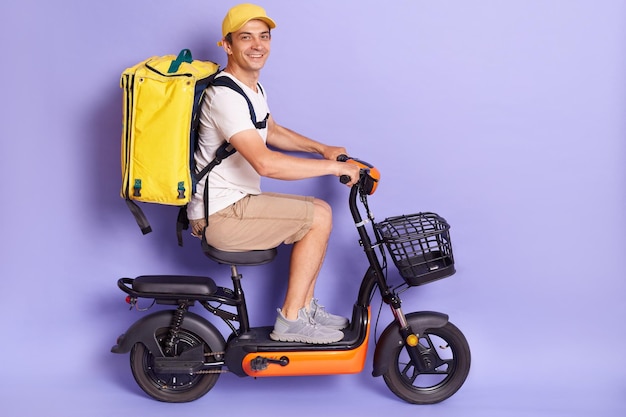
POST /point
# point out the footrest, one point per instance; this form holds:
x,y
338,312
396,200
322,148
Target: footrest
x,y
174,284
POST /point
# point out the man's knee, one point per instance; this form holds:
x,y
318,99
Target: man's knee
x,y
323,214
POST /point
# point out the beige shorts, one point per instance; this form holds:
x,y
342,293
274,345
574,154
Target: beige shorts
x,y
260,221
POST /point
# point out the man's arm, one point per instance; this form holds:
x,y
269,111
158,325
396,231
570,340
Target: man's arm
x,y
287,140
278,165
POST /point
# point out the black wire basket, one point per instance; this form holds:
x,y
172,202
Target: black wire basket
x,y
419,245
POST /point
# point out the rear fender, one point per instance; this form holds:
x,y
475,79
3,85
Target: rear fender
x,y
144,329
391,338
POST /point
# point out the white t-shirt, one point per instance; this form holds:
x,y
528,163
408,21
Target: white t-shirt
x,y
223,114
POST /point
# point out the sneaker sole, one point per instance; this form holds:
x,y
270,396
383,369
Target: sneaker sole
x,y
335,327
301,339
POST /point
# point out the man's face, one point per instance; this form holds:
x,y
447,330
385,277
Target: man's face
x,y
250,46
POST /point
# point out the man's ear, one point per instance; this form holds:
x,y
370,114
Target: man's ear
x,y
227,47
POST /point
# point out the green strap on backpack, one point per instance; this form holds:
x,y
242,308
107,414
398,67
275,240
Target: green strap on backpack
x,y
183,56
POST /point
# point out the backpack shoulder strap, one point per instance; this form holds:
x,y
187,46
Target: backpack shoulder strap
x,y
223,152
182,222
228,82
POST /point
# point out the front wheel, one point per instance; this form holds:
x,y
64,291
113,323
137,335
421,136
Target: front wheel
x,y
446,351
174,387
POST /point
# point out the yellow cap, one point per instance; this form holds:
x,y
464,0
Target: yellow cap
x,y
242,14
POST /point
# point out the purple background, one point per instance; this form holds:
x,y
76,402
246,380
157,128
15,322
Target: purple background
x,y
505,117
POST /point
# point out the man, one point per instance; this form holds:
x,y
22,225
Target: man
x,y
241,217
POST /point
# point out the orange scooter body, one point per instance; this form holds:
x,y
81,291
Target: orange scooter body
x,y
311,362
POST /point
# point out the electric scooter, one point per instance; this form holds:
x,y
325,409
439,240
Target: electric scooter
x,y
177,355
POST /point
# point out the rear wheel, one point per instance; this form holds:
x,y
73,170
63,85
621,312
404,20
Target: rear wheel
x,y
446,352
174,387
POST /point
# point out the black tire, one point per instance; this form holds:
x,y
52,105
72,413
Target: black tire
x,y
448,350
173,388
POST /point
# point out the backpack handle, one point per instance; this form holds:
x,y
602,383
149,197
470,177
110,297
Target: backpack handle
x,y
183,56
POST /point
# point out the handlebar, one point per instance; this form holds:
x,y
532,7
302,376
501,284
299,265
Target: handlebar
x,y
369,175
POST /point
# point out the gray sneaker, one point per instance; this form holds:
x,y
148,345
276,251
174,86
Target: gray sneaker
x,y
303,330
324,318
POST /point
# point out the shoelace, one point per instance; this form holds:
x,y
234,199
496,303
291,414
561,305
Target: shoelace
x,y
311,321
321,311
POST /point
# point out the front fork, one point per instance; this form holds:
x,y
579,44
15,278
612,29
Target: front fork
x,y
411,339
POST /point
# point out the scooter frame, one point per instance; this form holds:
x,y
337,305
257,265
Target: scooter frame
x,y
177,355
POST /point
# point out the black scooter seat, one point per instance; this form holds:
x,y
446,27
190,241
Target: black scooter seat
x,y
175,284
253,257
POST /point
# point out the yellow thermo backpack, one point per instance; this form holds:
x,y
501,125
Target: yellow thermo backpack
x,y
162,96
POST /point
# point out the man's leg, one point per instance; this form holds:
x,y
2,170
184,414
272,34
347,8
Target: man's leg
x,y
307,257
264,221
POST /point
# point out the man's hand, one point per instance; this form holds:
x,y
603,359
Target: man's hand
x,y
350,170
197,226
332,152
